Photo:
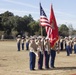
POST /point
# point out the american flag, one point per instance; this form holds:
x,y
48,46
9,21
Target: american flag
x,y
45,22
43,18
48,31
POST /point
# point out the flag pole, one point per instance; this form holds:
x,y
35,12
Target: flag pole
x,y
40,25
41,31
42,36
42,39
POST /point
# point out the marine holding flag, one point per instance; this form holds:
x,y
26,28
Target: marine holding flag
x,y
52,32
53,37
45,23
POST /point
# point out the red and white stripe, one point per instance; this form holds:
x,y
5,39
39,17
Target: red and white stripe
x,y
44,21
48,31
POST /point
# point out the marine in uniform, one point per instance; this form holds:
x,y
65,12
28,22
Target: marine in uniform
x,y
71,44
68,47
18,42
22,42
75,46
32,49
47,52
40,53
53,54
27,43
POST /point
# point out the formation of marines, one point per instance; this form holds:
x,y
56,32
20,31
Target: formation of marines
x,y
40,47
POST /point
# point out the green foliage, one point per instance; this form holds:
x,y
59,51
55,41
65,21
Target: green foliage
x,y
34,27
63,30
7,14
10,23
1,27
6,22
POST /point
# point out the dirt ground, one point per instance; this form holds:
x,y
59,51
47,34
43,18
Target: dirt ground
x,y
13,62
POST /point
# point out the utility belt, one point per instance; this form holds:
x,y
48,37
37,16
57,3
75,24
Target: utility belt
x,y
41,51
34,52
46,49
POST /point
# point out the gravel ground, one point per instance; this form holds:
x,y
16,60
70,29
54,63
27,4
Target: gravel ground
x,y
13,62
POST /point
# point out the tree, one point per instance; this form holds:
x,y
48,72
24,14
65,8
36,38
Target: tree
x,y
74,32
63,30
1,28
9,23
6,22
70,29
7,14
34,27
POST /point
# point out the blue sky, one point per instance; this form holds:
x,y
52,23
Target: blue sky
x,y
64,10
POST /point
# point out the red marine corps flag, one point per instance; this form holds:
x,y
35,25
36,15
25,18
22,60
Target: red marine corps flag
x,y
54,36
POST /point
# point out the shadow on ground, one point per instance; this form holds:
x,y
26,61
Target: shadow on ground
x,y
61,68
64,68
